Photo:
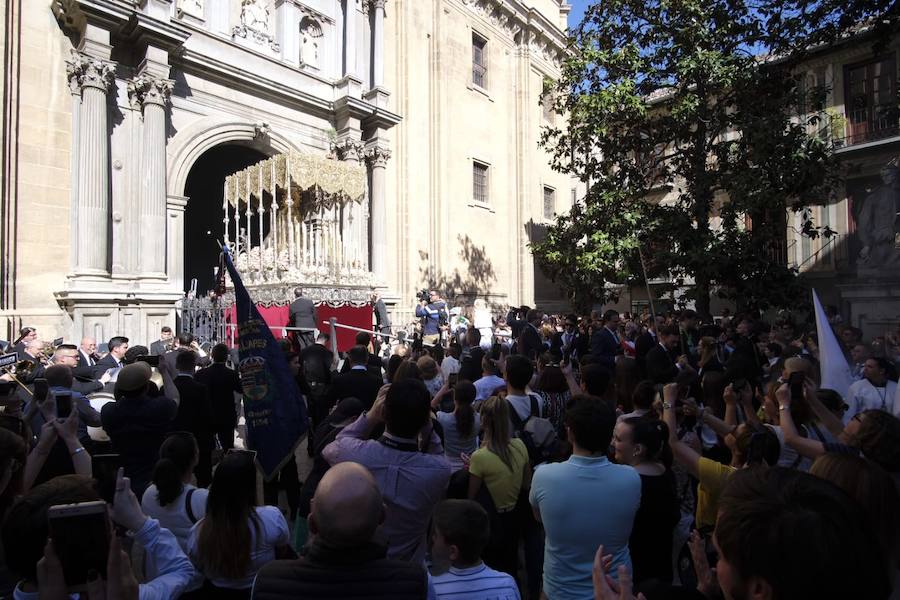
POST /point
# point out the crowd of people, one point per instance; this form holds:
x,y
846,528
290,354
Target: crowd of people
x,y
525,455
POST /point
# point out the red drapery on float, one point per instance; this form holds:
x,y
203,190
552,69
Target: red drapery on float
x,y
276,317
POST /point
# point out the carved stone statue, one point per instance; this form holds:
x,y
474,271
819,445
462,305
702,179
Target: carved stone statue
x,y
310,37
876,221
191,7
255,24
255,15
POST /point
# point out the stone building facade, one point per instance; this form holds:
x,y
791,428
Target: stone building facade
x,y
122,119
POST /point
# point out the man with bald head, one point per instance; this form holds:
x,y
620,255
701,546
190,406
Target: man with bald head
x,y
344,557
87,352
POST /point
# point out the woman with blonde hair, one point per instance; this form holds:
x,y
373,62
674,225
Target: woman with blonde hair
x,y
431,374
501,467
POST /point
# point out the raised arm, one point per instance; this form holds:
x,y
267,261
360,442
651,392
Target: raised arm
x,y
827,418
684,454
707,418
804,446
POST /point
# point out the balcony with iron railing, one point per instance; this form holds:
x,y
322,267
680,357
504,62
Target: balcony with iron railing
x,y
858,126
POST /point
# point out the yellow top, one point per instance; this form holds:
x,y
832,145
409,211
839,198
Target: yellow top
x,y
503,484
713,477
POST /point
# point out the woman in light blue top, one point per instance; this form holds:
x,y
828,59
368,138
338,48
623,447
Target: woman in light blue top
x,y
460,426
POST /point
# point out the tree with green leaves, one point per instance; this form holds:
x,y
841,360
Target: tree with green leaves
x,y
694,146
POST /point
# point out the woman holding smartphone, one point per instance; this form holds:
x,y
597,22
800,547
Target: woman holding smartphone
x,y
236,537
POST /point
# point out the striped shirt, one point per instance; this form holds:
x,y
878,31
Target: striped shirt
x,y
475,583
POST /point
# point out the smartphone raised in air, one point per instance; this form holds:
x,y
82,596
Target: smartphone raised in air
x,y
80,534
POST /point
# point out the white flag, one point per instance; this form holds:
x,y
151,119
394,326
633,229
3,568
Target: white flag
x,y
832,362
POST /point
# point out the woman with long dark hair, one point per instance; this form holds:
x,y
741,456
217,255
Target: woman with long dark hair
x,y
644,445
236,537
553,389
460,426
172,498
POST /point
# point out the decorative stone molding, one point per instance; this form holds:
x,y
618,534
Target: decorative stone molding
x,y
255,24
348,149
514,20
85,71
261,131
377,156
145,90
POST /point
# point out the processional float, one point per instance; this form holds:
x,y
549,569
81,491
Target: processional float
x,y
299,219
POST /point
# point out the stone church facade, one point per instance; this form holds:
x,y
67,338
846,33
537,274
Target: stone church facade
x,y
122,119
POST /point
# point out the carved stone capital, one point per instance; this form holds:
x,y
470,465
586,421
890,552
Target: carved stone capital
x,y
85,71
377,156
378,4
145,90
348,149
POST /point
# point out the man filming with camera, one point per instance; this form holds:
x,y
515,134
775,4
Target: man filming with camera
x,y
433,312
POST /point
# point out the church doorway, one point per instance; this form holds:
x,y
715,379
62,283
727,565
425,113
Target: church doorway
x,y
203,213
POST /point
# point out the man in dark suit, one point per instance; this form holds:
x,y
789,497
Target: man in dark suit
x,y
646,342
382,319
163,344
137,424
374,363
184,341
358,383
222,384
195,413
317,362
87,354
26,334
530,342
118,346
83,380
302,314
606,346
690,338
565,343
663,362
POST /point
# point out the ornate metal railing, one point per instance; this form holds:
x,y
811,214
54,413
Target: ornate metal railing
x,y
204,318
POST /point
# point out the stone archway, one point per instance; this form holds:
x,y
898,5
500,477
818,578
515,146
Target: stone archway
x,y
184,151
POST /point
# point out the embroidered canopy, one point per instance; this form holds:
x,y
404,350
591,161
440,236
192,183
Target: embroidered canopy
x,y
295,170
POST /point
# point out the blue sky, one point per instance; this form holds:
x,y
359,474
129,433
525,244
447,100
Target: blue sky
x,y
578,7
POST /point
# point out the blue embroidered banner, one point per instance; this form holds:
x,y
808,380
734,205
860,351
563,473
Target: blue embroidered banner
x,y
273,405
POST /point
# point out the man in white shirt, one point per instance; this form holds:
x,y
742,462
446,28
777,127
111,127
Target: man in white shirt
x,y
873,391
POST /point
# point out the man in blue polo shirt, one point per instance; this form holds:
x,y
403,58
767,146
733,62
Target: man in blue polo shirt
x,y
584,503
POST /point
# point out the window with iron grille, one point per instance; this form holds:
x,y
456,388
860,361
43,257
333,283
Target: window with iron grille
x,y
549,202
480,182
479,61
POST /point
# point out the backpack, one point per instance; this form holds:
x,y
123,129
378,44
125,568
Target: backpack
x,y
537,433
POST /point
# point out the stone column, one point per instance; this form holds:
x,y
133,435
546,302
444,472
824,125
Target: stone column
x,y
151,94
350,38
378,44
377,158
74,74
91,234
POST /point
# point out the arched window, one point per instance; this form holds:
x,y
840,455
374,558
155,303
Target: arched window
x,y
310,42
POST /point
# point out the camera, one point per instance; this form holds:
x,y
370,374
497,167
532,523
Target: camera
x,y
422,296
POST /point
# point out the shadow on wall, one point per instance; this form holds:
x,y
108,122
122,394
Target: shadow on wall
x,y
476,280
